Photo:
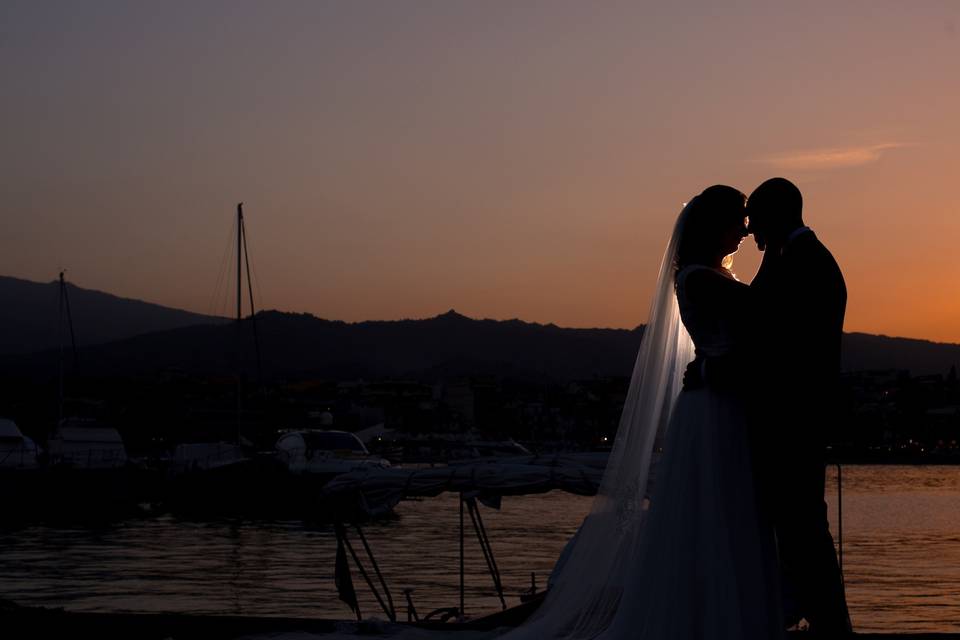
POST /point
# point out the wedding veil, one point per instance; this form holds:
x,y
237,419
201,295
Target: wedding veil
x,y
587,582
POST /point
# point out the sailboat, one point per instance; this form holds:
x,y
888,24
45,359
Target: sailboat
x,y
85,470
80,442
17,451
211,477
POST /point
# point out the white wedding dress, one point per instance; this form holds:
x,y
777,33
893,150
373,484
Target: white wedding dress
x,y
706,565
674,547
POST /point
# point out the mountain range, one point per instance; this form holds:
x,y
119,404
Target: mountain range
x,y
29,316
120,336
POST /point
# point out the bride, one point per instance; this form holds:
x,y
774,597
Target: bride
x,y
674,547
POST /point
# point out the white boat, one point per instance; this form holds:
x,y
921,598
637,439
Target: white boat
x,y
323,452
204,456
82,443
16,450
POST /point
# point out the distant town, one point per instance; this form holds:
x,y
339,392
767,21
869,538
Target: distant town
x,y
887,416
892,416
163,377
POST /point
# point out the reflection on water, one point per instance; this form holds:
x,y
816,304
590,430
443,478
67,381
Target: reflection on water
x,y
901,542
901,556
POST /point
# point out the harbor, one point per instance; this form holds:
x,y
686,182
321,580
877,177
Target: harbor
x,y
901,559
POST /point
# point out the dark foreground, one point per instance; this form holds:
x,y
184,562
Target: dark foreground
x,y
39,622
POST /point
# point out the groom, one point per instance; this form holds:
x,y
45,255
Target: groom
x,y
800,295
792,375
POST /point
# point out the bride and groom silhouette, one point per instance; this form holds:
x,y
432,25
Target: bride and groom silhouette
x,y
710,521
781,360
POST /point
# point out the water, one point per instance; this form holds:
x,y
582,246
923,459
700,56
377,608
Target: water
x,y
901,542
901,529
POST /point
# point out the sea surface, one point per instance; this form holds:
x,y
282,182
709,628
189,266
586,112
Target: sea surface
x,y
901,554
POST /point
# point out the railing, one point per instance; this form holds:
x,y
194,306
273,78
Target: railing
x,y
840,517
20,452
223,454
92,458
468,506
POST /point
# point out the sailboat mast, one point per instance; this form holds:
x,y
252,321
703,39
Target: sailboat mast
x,y
239,328
239,256
60,327
65,306
253,310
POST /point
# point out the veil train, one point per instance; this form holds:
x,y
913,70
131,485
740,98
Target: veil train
x,y
587,582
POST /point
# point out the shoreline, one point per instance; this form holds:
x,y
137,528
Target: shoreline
x,y
868,459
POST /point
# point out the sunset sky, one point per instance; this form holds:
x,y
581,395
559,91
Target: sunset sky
x,y
506,159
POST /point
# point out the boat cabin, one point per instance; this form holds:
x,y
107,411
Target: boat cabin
x,y
86,444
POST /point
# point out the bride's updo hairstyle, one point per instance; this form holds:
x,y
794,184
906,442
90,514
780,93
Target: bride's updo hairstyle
x,y
705,219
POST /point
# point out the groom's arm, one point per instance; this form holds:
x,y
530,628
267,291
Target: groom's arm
x,y
719,372
695,376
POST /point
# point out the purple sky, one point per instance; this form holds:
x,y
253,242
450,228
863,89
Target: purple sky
x,y
507,159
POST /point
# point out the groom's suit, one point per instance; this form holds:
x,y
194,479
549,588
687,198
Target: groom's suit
x,y
800,299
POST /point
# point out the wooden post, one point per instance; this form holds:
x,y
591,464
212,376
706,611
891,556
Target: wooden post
x,y
462,613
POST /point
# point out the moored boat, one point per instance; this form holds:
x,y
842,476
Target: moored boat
x,y
16,450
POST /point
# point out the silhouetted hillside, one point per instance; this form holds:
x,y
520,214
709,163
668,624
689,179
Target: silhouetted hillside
x,y
449,345
864,351
29,316
301,344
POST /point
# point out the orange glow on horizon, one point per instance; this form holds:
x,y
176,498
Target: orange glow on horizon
x,y
508,161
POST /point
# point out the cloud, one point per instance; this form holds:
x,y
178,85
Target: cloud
x,y
835,158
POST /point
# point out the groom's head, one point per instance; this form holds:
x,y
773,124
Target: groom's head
x,y
775,209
